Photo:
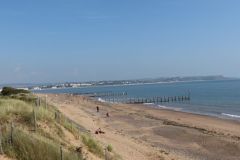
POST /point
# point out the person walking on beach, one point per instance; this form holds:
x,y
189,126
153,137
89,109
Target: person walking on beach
x,y
97,109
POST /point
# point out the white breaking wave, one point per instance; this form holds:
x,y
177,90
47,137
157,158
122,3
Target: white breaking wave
x,y
148,103
101,100
171,108
160,106
231,115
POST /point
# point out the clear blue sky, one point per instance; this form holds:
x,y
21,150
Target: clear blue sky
x,y
80,40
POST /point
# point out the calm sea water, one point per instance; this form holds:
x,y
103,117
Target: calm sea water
x,y
216,98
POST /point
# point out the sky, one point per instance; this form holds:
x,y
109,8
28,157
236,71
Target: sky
x,y
79,40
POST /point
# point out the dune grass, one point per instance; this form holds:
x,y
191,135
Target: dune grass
x,y
23,111
92,145
24,97
45,142
71,128
32,146
11,108
29,145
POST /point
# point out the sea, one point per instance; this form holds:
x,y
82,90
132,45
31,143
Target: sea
x,y
215,98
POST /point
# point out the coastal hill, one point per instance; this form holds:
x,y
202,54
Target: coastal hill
x,y
119,82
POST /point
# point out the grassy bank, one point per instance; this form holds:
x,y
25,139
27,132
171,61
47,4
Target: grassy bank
x,y
30,132
35,134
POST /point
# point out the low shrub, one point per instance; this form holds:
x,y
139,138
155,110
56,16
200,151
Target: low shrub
x,y
27,97
7,91
109,148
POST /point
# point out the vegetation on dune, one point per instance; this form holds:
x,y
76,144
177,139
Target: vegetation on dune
x,y
28,144
92,145
12,109
27,97
67,124
23,142
32,146
109,148
39,131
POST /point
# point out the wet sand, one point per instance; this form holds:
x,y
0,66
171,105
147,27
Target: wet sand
x,y
138,132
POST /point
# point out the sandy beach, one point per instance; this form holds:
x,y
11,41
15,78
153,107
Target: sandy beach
x,y
139,132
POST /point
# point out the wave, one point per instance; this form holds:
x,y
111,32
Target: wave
x,y
163,107
171,108
101,100
148,103
231,115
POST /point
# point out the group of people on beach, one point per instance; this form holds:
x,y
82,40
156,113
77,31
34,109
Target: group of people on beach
x,y
107,114
99,131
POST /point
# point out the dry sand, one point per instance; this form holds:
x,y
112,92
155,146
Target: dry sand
x,y
138,132
4,158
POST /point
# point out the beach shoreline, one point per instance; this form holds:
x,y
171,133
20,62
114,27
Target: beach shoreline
x,y
178,109
161,106
154,133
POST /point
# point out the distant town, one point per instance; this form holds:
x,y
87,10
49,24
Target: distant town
x,y
115,82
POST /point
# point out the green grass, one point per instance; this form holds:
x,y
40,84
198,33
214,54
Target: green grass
x,y
8,91
43,114
24,97
11,108
92,145
23,111
45,142
29,145
110,148
71,128
34,147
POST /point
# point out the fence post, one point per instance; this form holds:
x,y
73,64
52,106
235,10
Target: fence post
x,y
1,148
46,102
61,153
106,156
34,120
36,101
11,134
40,101
56,116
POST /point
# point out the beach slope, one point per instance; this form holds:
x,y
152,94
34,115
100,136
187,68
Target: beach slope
x,y
141,132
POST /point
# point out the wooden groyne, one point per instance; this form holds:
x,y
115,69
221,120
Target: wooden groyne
x,y
123,98
111,94
158,100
